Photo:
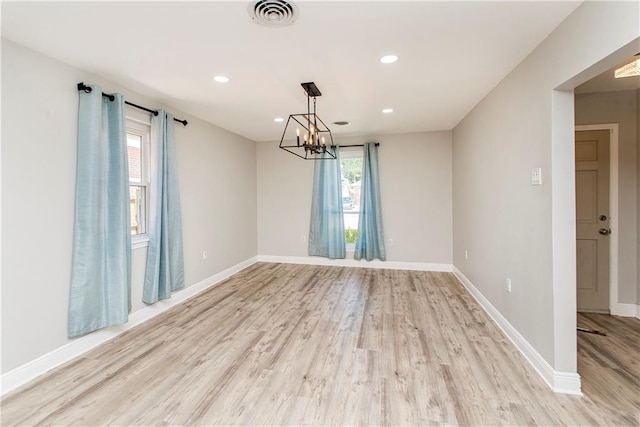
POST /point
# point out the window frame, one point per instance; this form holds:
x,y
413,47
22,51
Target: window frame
x,y
139,126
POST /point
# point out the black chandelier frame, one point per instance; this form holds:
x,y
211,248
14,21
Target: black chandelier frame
x,y
317,141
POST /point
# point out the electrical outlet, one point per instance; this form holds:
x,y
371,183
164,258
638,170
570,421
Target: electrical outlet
x,y
466,254
303,238
390,242
509,285
204,255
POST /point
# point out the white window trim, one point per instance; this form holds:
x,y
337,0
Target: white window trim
x,y
139,241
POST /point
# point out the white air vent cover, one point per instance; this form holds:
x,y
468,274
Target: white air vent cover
x,y
273,13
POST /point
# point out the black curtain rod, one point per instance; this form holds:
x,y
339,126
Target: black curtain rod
x,y
87,89
354,145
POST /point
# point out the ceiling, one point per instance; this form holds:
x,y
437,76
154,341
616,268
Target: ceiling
x,y
451,54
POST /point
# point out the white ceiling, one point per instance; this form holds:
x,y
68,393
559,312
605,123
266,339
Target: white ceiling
x,y
451,55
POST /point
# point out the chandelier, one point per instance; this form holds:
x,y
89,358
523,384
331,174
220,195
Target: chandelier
x,y
305,135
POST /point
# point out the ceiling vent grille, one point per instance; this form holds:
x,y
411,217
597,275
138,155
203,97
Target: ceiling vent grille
x,y
273,13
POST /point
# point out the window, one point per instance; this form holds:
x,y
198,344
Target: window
x,y
351,169
138,154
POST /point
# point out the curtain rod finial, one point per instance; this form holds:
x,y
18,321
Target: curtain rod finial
x,y
84,87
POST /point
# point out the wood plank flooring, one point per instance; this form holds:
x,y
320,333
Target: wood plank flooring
x,y
610,365
281,344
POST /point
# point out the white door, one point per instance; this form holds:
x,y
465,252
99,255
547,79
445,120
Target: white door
x,y
592,220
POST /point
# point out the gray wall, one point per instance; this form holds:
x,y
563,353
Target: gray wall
x,y
511,228
620,107
415,181
39,104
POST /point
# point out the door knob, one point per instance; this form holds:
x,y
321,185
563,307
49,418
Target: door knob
x,y
603,217
604,231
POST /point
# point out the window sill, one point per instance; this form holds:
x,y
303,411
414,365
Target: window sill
x,y
138,242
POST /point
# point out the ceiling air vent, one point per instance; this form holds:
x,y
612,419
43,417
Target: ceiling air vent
x,y
273,13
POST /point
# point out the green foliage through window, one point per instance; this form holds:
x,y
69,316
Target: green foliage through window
x,y
351,169
350,235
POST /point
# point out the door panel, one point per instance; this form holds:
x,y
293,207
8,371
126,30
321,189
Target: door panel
x,y
592,220
587,255
586,196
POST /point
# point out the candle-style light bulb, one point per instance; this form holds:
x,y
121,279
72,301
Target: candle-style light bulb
x,y
298,136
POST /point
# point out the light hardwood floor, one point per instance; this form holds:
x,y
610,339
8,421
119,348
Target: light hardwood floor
x,y
610,365
282,344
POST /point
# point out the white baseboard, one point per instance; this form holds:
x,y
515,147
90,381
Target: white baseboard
x,y
393,265
559,382
30,370
626,310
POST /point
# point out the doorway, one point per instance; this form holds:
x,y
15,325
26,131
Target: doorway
x,y
596,161
592,220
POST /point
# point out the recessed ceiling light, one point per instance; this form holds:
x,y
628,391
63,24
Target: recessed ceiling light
x,y
630,70
221,79
387,110
278,119
388,59
342,123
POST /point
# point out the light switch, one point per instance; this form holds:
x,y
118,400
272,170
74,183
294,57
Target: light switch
x,y
536,176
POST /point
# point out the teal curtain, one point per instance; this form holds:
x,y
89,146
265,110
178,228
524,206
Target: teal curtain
x,y
101,267
326,230
370,242
165,262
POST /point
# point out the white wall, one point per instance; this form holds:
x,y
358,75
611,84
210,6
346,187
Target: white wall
x,y
415,181
39,104
620,107
510,228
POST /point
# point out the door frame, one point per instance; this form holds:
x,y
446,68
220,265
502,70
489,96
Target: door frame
x,y
613,208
